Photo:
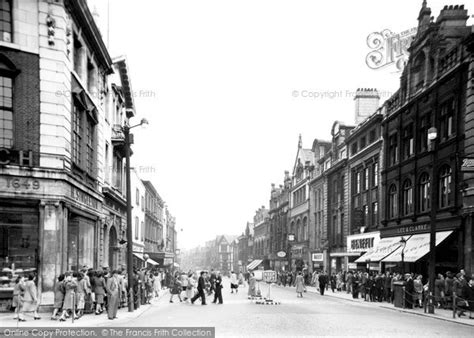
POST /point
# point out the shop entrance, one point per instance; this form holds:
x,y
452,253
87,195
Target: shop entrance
x,y
113,248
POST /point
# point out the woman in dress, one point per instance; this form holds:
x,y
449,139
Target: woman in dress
x,y
99,291
30,298
81,291
252,285
176,288
70,286
418,286
157,284
299,283
58,296
190,287
18,294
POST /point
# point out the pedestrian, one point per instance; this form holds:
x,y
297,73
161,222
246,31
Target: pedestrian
x,y
70,287
99,291
448,289
339,279
157,284
191,287
218,290
212,281
184,284
333,281
234,283
299,283
112,295
200,288
409,291
418,287
30,297
59,292
241,279
18,295
176,289
349,282
252,285
387,286
440,286
81,294
323,281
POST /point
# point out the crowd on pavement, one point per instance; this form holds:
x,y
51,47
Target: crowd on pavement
x,y
380,287
89,291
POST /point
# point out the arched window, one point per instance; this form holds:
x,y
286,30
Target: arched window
x,y
407,197
424,192
445,198
292,229
392,201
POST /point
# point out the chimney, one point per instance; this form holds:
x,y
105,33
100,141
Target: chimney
x,y
366,103
453,16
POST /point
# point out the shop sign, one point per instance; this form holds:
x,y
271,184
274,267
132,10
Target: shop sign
x,y
412,229
269,276
317,257
80,196
352,266
467,164
281,254
362,242
297,252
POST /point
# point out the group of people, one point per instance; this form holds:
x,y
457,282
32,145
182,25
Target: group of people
x,y
88,291
191,286
380,287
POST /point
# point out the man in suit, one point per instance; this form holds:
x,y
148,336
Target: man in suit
x,y
212,281
323,280
218,288
409,291
201,287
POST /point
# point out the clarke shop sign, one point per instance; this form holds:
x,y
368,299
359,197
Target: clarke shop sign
x,y
362,242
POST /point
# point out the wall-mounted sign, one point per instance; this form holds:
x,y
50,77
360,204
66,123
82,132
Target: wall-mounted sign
x,y
317,257
281,254
467,164
362,242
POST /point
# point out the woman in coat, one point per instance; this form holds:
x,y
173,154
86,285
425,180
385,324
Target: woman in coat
x,y
176,289
418,286
18,294
190,287
112,295
70,286
252,285
59,292
99,291
30,298
299,283
82,290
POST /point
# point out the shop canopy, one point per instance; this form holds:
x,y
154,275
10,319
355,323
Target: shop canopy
x,y
254,264
384,248
149,260
417,247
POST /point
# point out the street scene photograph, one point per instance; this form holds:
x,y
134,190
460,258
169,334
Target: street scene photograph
x,y
224,168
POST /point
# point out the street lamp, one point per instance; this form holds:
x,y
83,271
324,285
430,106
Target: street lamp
x,y
126,132
432,136
291,239
403,244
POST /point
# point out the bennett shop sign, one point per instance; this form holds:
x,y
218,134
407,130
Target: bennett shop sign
x,y
362,242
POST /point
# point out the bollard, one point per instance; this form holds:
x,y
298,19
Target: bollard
x,y
454,305
404,295
73,307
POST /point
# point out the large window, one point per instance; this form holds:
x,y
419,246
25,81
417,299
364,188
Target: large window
x,y
446,120
83,140
357,182
407,197
393,149
375,174
392,201
408,141
366,178
423,132
424,192
445,198
6,113
76,135
375,214
6,20
136,227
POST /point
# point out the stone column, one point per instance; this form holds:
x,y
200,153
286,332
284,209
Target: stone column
x,y
468,239
50,249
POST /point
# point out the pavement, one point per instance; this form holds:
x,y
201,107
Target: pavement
x,y
310,316
440,314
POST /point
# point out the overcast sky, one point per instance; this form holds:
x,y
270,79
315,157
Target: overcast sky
x,y
221,83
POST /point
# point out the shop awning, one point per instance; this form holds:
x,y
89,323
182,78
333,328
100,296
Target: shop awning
x,y
254,264
139,256
384,248
417,247
151,261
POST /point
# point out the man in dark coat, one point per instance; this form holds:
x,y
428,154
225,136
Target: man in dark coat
x,y
201,287
323,280
218,289
212,281
409,291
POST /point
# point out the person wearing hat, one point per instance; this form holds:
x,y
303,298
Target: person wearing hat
x,y
112,288
448,288
409,291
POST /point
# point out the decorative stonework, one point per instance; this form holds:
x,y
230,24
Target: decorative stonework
x,y
51,23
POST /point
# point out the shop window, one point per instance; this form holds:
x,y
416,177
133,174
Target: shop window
x,y
6,113
445,198
424,192
407,197
80,243
392,201
6,20
19,239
